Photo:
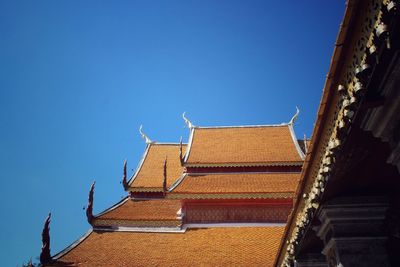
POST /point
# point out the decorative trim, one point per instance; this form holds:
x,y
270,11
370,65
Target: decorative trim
x,y
185,227
255,164
167,143
230,173
107,223
229,196
230,225
350,89
145,189
244,126
142,229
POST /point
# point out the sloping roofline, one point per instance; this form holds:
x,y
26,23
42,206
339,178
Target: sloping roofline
x,y
72,246
113,207
139,167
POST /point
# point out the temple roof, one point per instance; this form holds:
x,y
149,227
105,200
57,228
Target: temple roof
x,y
150,174
248,246
273,184
243,146
145,209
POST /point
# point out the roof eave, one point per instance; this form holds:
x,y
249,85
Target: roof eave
x,y
321,118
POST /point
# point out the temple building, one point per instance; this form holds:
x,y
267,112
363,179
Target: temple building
x,y
258,196
221,199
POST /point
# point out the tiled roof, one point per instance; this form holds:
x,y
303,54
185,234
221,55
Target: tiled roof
x,y
150,174
144,210
238,183
243,145
249,246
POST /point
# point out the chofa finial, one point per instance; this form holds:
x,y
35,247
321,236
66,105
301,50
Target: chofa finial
x,y
294,118
145,137
124,180
45,256
89,209
187,121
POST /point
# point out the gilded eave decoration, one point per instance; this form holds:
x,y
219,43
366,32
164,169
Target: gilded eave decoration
x,y
374,34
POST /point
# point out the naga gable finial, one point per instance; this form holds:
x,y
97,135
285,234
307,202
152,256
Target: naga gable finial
x,y
145,137
181,151
294,118
45,256
89,209
124,181
187,121
165,177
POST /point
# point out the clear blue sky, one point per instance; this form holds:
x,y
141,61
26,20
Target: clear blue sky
x,y
77,78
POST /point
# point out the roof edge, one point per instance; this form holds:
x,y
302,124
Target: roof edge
x,y
133,177
189,147
241,164
142,229
177,182
243,126
72,246
265,195
295,142
318,127
118,204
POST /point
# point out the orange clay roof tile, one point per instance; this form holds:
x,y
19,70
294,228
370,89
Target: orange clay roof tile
x,y
151,172
196,247
242,145
231,183
147,210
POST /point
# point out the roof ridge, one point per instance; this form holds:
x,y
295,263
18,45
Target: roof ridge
x,y
167,143
243,126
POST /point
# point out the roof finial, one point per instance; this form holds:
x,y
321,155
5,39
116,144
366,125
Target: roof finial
x,y
89,209
165,177
124,181
305,144
180,151
187,121
294,118
145,137
45,256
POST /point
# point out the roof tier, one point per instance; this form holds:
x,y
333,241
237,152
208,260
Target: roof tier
x,y
141,213
242,146
274,185
249,246
150,173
